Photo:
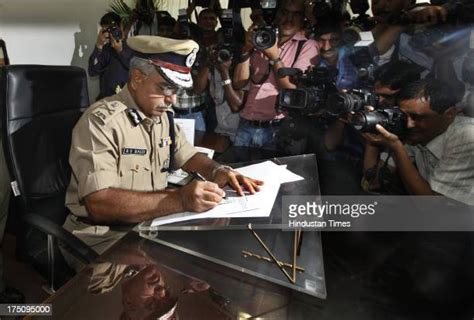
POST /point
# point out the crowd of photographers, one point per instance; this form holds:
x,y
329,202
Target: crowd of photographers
x,y
392,91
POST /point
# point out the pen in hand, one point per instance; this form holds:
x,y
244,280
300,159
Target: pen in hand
x,y
197,176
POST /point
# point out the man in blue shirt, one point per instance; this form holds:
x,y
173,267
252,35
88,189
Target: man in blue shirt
x,y
111,56
334,54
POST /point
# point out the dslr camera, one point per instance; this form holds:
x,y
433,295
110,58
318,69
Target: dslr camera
x,y
115,31
226,47
266,36
391,119
311,96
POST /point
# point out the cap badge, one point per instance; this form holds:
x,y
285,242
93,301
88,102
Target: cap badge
x,y
191,58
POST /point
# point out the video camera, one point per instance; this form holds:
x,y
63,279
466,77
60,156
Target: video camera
x,y
393,120
314,86
341,103
266,36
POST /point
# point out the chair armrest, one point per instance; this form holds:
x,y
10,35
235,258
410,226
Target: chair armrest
x,y
79,249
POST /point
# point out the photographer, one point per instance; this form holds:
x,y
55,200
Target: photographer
x,y
259,119
111,56
215,76
440,141
166,27
387,32
334,54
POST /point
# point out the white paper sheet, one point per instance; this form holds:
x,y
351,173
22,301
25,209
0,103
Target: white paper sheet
x,y
366,39
256,205
269,170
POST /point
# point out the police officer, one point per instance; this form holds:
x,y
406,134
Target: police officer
x,y
123,147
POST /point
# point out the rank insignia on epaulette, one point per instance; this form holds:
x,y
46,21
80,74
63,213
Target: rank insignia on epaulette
x,y
118,89
134,116
165,142
100,114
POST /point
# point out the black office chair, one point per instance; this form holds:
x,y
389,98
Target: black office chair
x,y
39,106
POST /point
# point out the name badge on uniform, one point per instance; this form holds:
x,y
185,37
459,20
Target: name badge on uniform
x,y
165,142
134,151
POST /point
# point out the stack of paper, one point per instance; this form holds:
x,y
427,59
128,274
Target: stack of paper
x,y
250,206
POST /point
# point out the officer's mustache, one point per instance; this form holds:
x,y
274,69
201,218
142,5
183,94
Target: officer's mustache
x,y
164,106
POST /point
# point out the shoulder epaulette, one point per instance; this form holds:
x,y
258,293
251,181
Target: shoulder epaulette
x,y
107,110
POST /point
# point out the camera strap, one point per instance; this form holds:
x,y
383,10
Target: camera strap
x,y
301,44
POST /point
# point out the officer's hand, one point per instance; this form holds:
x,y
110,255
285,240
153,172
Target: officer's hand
x,y
102,38
237,181
199,196
116,44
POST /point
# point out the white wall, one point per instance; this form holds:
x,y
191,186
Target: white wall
x,y
56,32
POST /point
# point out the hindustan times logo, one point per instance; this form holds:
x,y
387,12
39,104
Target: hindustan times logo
x,y
318,210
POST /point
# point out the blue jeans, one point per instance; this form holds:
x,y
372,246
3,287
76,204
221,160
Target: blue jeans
x,y
199,125
255,137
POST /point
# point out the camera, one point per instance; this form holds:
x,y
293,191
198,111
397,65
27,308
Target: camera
x,y
225,47
341,103
393,120
314,86
184,29
325,9
364,64
115,31
266,36
351,34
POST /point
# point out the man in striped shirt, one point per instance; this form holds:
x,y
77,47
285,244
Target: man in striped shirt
x,y
440,141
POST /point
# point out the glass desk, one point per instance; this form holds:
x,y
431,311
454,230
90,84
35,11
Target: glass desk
x,y
231,242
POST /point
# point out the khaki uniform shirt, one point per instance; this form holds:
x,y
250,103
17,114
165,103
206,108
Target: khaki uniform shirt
x,y
109,150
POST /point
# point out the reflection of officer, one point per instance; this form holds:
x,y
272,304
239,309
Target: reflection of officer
x,y
145,295
122,148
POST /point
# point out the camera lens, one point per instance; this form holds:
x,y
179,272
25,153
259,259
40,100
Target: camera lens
x,y
224,55
342,103
264,39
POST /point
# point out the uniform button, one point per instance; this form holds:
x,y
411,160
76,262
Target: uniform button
x,y
137,167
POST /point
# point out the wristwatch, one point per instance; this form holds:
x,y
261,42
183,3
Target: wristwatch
x,y
275,61
226,82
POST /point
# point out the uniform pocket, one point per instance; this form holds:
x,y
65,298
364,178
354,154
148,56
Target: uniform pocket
x,y
135,174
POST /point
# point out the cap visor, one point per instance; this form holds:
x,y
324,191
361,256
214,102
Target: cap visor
x,y
181,80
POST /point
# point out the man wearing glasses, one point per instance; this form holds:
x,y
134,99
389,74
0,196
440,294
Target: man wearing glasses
x,y
123,147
